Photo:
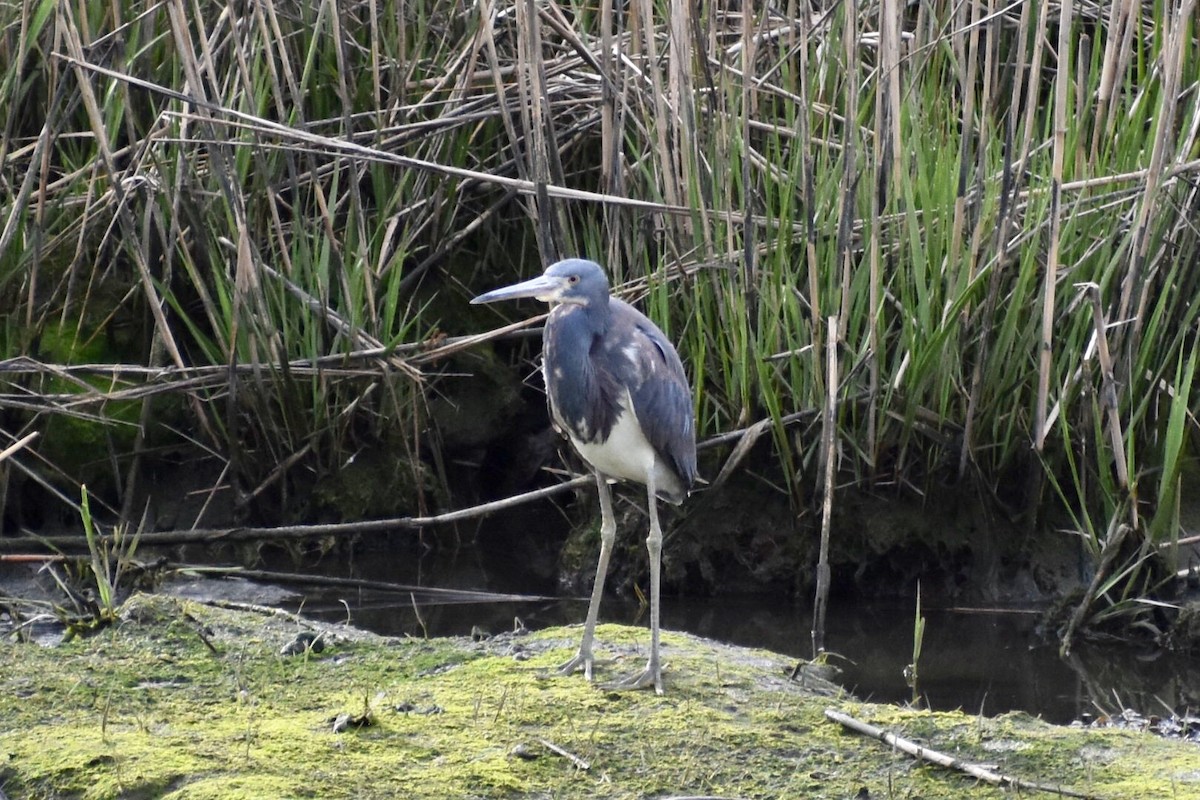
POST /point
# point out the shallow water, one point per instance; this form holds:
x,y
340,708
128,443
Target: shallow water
x,y
979,661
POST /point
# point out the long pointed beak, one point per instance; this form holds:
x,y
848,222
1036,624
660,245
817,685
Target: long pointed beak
x,y
544,287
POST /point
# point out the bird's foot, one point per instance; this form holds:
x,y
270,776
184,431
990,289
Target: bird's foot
x,y
651,676
583,659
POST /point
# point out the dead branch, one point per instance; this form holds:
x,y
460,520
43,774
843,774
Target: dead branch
x,y
574,759
289,532
17,445
1112,546
942,760
430,595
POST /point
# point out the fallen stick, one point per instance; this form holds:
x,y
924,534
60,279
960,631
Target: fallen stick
x,y
574,759
430,595
942,760
69,542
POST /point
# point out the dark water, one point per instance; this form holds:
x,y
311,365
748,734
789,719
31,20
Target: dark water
x,y
987,662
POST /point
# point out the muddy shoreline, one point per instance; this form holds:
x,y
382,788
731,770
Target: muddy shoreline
x,y
183,699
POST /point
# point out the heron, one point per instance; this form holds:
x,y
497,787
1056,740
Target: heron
x,y
618,392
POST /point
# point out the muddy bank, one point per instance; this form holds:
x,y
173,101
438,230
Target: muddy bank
x,y
744,537
180,699
964,545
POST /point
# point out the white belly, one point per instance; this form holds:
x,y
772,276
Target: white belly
x,y
628,455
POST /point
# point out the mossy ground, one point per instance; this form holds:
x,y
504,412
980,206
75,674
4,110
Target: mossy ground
x,y
148,708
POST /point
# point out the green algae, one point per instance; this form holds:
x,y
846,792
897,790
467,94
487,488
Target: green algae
x,y
148,709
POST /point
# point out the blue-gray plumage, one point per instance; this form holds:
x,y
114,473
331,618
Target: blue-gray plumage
x,y
618,391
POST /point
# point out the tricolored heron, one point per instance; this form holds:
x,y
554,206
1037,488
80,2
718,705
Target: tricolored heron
x,y
618,391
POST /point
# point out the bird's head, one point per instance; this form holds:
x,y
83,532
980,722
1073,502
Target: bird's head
x,y
575,281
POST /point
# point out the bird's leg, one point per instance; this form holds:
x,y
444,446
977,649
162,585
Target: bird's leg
x,y
608,532
654,546
652,676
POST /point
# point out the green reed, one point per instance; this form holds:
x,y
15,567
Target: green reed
x,y
272,185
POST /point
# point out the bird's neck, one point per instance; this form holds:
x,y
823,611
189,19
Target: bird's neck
x,y
573,383
571,328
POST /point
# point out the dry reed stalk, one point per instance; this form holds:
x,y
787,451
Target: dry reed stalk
x,y
487,20
804,136
155,303
37,162
129,490
271,33
685,146
533,123
890,45
302,139
1083,61
1032,83
983,223
849,184
1050,279
673,193
747,111
285,110
1108,394
249,304
611,129
967,77
1132,286
1118,19
1132,11
373,48
352,185
884,152
829,456
985,315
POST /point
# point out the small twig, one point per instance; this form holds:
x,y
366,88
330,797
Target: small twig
x,y
574,759
1184,541
749,436
417,610
198,629
942,760
17,445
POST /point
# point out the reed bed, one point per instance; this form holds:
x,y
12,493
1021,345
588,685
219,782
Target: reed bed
x,y
265,218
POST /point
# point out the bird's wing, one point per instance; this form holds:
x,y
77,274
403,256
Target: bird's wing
x,y
662,401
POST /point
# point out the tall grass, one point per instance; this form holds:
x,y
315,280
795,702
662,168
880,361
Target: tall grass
x,y
302,193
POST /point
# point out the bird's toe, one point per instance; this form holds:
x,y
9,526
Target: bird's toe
x,y
642,680
580,660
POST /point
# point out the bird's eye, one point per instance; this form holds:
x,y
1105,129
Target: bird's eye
x,y
573,279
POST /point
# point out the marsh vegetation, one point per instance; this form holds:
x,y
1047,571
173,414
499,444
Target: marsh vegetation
x,y
239,239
